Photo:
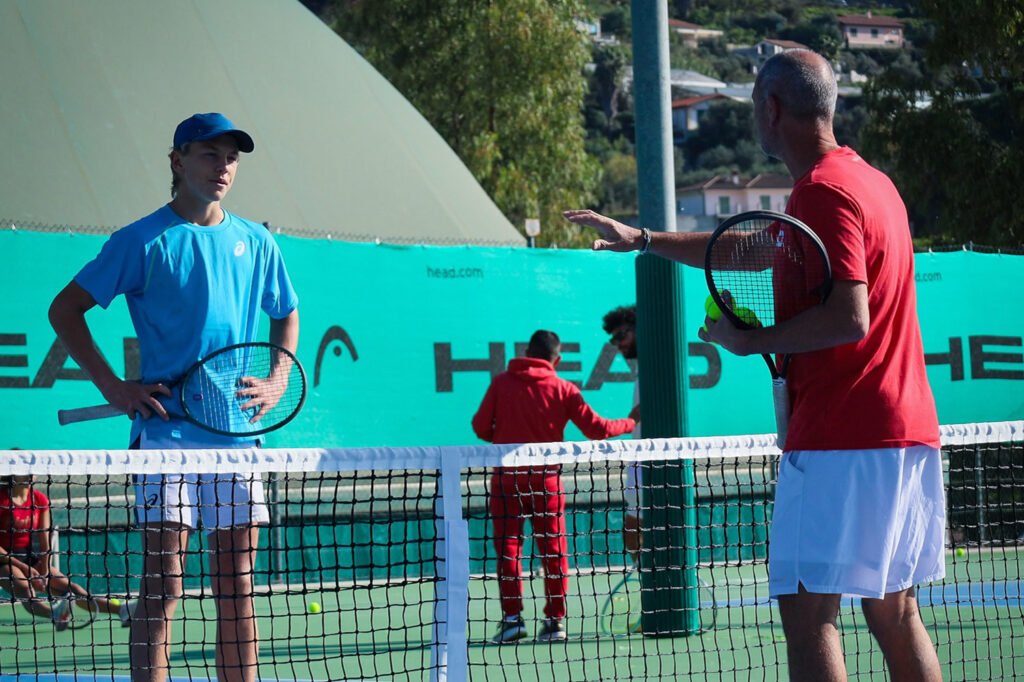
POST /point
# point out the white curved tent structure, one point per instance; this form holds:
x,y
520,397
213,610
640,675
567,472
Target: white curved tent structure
x,y
92,91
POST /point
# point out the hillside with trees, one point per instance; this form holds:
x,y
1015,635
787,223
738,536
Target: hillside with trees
x,y
542,114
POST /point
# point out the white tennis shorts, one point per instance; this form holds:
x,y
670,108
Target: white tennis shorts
x,y
857,522
207,501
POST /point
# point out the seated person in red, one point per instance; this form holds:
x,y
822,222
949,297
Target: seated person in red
x,y
25,566
529,403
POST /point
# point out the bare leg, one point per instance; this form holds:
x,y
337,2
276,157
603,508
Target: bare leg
x,y
812,637
232,557
59,585
15,582
896,623
161,587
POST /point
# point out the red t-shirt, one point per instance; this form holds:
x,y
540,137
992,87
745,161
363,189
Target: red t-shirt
x,y
873,393
17,521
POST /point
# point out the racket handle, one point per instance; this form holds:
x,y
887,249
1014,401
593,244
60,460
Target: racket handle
x,y
84,414
780,396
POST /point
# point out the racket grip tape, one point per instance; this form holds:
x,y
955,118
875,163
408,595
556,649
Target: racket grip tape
x,y
84,414
780,396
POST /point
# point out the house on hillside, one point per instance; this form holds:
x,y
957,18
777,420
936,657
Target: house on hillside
x,y
683,81
592,29
868,31
692,33
701,207
687,112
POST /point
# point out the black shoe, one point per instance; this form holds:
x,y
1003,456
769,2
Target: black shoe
x,y
510,631
553,631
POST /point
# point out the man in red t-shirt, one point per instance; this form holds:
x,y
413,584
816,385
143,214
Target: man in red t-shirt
x,y
861,456
529,403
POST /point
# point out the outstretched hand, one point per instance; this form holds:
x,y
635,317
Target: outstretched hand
x,y
615,236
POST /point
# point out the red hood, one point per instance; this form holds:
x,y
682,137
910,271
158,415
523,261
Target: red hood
x,y
531,369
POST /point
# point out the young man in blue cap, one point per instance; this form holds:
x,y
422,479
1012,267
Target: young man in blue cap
x,y
195,278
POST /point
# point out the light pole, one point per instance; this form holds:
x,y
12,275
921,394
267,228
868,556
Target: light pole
x,y
532,230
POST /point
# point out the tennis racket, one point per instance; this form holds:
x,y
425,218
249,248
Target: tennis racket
x,y
219,393
764,268
622,611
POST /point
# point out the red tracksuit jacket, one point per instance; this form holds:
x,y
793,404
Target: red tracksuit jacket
x,y
529,403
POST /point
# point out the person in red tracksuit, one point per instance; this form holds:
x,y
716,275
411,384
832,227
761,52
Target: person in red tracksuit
x,y
529,403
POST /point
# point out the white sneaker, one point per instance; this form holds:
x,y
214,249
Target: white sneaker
x,y
61,614
127,612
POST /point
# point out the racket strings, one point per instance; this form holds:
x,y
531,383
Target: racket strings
x,y
218,393
770,270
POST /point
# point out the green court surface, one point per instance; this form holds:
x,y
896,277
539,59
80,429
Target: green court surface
x,y
976,618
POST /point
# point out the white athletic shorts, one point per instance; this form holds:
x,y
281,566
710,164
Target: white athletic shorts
x,y
857,522
207,501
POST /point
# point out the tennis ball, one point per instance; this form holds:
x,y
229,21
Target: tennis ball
x,y
114,601
711,309
960,551
314,607
748,316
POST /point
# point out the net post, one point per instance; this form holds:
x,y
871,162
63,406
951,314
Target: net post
x,y
668,563
449,646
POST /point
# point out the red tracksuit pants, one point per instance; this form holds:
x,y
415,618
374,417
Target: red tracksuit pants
x,y
539,496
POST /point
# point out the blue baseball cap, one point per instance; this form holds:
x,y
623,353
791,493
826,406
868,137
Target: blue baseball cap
x,y
208,126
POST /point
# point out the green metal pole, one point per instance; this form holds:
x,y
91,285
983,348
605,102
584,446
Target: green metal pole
x,y
669,560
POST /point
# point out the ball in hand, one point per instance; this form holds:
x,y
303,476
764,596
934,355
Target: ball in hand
x,y
748,316
711,309
114,601
314,607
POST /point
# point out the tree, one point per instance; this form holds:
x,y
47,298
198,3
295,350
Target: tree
x,y
821,34
618,184
610,62
725,143
959,160
501,82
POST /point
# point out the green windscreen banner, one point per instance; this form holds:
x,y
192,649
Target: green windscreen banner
x,y
399,343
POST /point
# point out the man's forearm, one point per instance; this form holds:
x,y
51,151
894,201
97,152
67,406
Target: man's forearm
x,y
683,247
67,317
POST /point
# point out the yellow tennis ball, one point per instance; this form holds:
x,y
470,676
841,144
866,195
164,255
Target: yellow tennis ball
x,y
114,601
711,309
748,316
314,607
960,551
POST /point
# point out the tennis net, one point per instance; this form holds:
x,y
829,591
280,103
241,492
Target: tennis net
x,y
381,563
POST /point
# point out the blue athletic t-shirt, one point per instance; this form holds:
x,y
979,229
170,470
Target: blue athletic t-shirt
x,y
190,291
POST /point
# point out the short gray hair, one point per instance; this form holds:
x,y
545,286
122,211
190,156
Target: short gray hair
x,y
803,80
